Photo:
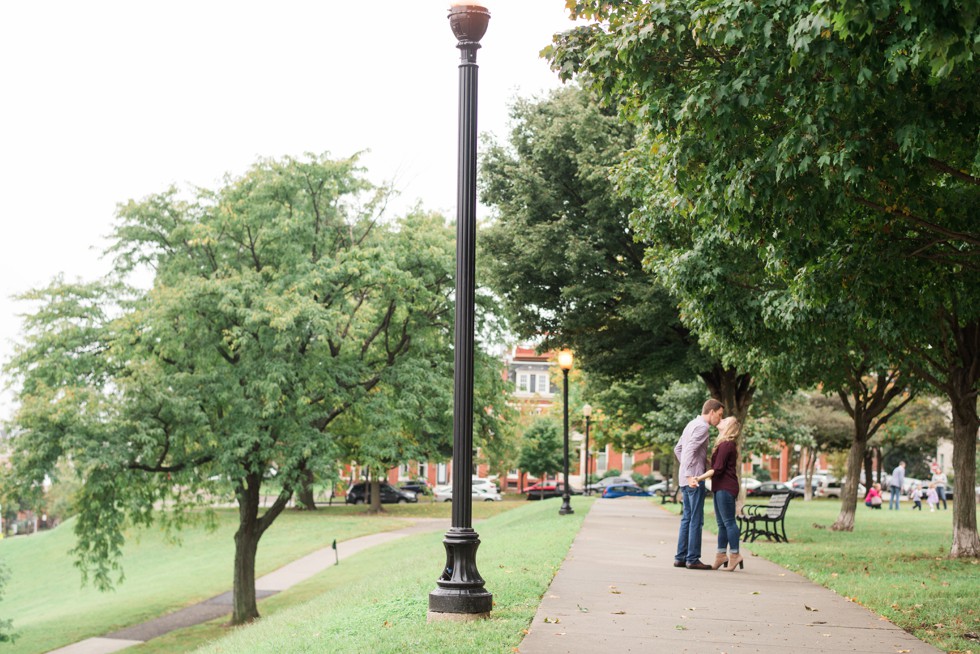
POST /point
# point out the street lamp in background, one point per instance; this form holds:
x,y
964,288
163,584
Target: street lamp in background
x,y
587,412
460,594
565,363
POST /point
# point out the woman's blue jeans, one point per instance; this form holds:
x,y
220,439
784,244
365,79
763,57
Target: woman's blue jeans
x,y
727,525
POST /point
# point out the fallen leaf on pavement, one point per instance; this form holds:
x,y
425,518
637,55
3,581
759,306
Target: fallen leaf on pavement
x,y
810,608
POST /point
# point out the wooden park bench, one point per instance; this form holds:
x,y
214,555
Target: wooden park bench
x,y
765,520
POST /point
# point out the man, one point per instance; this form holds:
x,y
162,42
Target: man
x,y
692,453
895,486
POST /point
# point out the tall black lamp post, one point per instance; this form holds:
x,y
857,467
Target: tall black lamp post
x,y
587,412
565,363
460,594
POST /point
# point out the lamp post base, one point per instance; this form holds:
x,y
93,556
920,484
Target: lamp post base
x,y
460,594
566,507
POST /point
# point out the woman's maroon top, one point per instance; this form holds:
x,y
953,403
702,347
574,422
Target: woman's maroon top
x,y
724,462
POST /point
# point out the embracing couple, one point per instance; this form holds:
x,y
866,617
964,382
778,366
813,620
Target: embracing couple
x,y
692,452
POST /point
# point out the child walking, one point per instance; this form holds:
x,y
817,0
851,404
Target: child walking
x,y
915,494
932,497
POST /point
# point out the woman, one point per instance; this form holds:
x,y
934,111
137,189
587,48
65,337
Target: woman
x,y
873,498
724,485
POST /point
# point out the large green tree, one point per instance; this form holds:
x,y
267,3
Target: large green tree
x,y
280,302
564,258
830,137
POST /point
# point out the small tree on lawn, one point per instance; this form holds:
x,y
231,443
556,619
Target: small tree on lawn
x,y
541,451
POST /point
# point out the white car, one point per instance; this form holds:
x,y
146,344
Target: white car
x,y
480,492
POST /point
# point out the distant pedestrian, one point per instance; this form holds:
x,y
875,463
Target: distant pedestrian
x,y
692,453
873,498
932,497
915,494
895,486
941,480
724,486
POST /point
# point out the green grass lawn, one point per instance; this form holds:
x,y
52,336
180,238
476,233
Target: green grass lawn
x,y
377,601
50,608
894,563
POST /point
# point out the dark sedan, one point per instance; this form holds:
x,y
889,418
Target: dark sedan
x,y
389,494
769,488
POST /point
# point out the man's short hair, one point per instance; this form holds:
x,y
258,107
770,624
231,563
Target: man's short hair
x,y
711,406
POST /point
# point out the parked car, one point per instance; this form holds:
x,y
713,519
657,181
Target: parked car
x,y
420,487
480,493
608,481
547,489
816,483
482,482
625,490
769,488
836,489
357,494
663,491
750,482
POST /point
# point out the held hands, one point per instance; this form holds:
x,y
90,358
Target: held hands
x,y
692,482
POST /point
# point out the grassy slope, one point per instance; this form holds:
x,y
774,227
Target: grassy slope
x,y
50,608
894,563
377,601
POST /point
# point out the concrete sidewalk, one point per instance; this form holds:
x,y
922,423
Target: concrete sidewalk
x,y
617,591
285,577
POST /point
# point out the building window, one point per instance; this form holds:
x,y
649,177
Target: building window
x,y
627,463
441,473
600,462
523,384
543,386
404,472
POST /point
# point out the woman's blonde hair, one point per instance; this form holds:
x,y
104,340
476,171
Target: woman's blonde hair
x,y
728,430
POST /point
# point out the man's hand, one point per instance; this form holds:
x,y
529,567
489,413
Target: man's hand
x,y
692,482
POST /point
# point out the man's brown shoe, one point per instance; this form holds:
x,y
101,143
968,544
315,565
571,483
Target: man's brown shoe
x,y
697,565
679,564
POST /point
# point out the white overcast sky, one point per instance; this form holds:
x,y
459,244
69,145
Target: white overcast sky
x,y
105,101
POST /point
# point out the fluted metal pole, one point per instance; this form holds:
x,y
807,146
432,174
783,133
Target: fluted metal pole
x,y
566,506
460,592
588,419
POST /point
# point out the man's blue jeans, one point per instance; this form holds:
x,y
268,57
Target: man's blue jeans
x,y
692,523
896,495
727,525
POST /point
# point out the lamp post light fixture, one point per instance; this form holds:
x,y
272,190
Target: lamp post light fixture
x,y
587,412
565,363
460,594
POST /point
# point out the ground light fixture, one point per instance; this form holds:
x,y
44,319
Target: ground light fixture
x,y
565,360
460,593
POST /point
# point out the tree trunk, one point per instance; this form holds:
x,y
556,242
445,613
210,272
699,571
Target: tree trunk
x,y
809,460
735,392
732,389
868,468
849,494
243,591
305,497
250,529
375,487
965,426
869,411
